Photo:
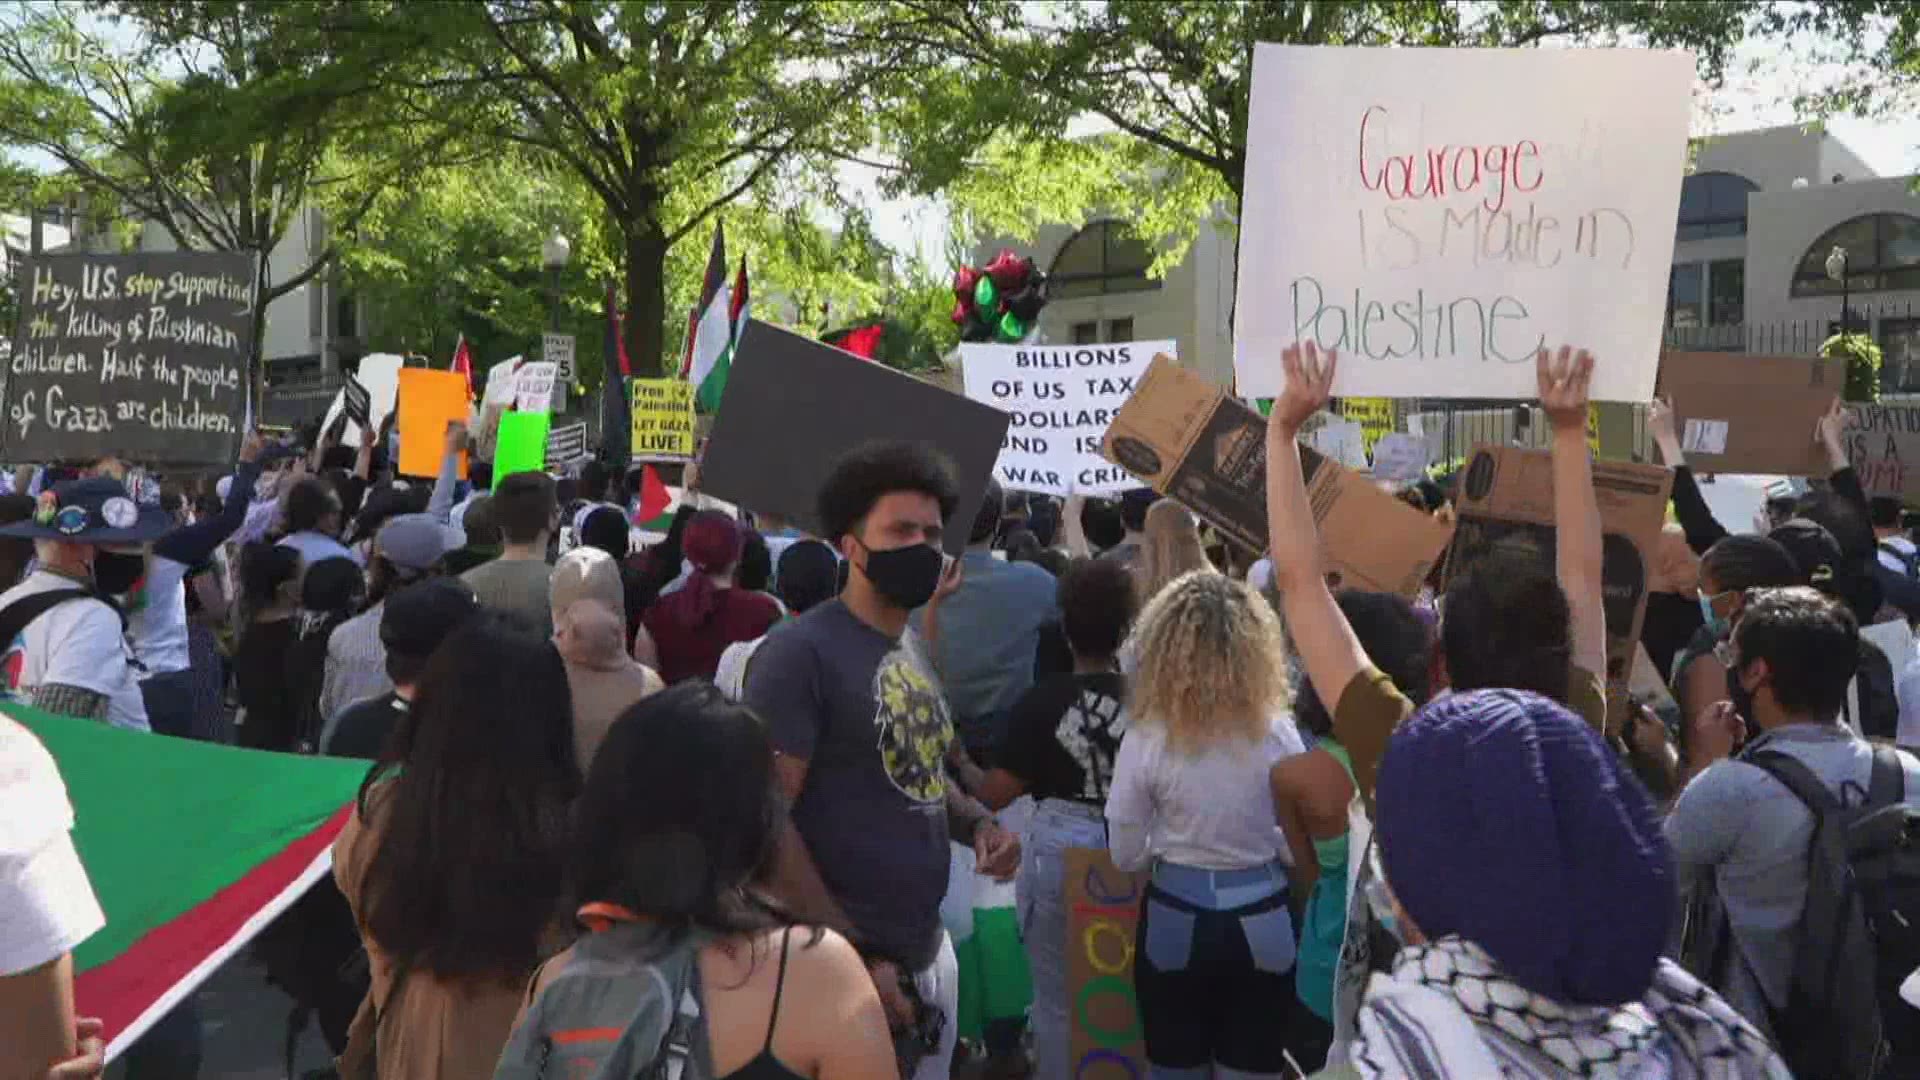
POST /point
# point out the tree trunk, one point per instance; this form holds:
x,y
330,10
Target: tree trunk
x,y
646,301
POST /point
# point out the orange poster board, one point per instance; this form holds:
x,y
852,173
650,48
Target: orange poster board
x,y
429,401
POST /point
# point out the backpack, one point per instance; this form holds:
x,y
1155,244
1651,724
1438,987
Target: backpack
x,y
625,1006
1860,930
1872,707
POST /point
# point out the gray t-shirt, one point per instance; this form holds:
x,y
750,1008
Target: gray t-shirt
x,y
519,586
1744,827
866,712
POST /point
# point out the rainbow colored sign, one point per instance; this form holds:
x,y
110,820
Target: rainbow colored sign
x,y
1103,911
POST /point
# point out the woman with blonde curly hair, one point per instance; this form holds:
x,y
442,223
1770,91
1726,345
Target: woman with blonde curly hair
x,y
1208,711
1173,547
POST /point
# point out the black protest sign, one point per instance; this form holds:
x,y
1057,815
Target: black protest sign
x,y
794,406
355,401
567,444
140,355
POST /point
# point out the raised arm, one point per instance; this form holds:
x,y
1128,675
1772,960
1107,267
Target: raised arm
x,y
1073,534
440,505
1319,630
1564,379
1696,517
191,545
1829,432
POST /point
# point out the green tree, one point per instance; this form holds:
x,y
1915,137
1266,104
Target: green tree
x,y
157,113
1169,83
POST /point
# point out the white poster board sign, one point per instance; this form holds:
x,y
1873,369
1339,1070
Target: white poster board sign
x,y
1400,457
1340,439
1437,215
533,388
557,349
380,374
1061,398
500,382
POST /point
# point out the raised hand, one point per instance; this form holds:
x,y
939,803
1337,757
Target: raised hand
x,y
1309,387
1564,379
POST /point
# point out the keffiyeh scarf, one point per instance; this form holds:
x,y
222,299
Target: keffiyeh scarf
x,y
1447,1011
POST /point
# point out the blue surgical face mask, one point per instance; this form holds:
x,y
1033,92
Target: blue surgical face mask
x,y
1716,623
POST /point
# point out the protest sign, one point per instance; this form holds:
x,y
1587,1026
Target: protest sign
x,y
567,443
429,401
355,401
1106,1040
379,373
521,445
1399,457
1883,445
1342,440
1505,500
662,418
533,387
141,355
794,406
1437,215
500,385
1750,414
1373,414
557,349
1060,400
1189,439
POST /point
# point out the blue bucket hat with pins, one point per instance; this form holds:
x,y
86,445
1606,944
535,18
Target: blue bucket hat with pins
x,y
1503,818
90,510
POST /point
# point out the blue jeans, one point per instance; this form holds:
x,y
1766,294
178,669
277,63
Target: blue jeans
x,y
1213,971
1041,895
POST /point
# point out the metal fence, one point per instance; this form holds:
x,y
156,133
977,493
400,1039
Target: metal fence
x,y
1451,428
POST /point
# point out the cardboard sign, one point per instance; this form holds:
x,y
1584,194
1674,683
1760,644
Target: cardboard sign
x,y
567,443
521,445
533,387
1187,438
1399,457
355,401
1106,1040
794,406
429,401
141,355
1883,444
557,349
1505,497
1061,399
661,414
1750,414
1437,215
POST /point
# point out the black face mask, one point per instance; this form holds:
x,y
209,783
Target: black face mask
x,y
905,576
115,574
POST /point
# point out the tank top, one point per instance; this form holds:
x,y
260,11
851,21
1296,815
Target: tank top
x,y
764,1065
1323,930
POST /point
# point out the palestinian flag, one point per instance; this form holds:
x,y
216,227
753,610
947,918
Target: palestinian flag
x,y
658,503
192,848
861,341
710,337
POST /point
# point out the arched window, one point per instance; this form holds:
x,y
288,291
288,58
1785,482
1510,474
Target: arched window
x,y
1714,204
1105,257
1883,254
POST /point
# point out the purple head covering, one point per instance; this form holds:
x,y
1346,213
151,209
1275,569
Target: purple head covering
x,y
1504,819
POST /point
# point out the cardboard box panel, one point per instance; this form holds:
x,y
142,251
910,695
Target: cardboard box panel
x,y
1750,414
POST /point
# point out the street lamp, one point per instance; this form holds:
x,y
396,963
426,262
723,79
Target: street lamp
x,y
554,253
1837,271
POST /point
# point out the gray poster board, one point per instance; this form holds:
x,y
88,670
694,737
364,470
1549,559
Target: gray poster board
x,y
793,406
141,355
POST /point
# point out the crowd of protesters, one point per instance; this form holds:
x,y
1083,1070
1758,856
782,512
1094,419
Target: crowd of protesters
x,y
695,797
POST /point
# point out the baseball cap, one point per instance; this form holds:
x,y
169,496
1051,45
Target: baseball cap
x,y
414,541
419,616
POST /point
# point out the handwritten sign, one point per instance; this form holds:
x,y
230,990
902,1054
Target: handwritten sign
x,y
1883,443
1437,215
500,385
1342,440
1103,910
1060,400
557,349
1399,457
1374,415
379,374
662,411
533,387
141,355
567,443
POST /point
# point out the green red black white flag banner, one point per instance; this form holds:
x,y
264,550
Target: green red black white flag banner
x,y
192,848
